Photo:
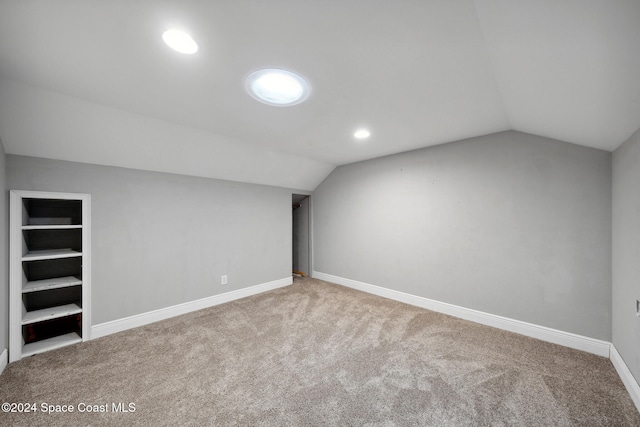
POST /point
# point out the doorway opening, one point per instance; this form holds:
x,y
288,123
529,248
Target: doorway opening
x,y
301,245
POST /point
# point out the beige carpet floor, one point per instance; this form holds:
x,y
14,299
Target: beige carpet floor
x,y
315,353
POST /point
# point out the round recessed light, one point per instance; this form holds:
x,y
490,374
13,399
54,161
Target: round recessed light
x,y
180,41
277,87
362,134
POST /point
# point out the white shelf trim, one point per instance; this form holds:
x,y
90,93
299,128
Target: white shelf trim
x,y
47,284
50,254
50,344
50,313
51,227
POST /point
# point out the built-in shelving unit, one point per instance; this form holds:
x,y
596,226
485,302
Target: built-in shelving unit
x,y
50,271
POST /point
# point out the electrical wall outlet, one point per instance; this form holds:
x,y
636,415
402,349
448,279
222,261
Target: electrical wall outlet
x,y
223,280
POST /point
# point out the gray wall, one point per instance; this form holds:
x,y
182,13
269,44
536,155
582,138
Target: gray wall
x,y
626,252
510,224
4,254
162,239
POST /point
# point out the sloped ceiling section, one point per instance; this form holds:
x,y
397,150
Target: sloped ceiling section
x,y
567,69
92,81
41,123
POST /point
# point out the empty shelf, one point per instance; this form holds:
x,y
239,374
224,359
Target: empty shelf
x,y
51,227
50,313
50,254
50,344
46,284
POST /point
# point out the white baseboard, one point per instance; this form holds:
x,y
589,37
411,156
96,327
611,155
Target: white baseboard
x,y
567,339
4,359
626,376
108,328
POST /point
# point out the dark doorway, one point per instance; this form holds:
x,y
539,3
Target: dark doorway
x,y
301,234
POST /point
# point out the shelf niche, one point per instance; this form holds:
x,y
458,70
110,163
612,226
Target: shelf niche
x,y
49,271
51,212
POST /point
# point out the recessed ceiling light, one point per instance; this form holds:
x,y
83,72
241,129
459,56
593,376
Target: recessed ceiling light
x,y
362,134
277,87
180,41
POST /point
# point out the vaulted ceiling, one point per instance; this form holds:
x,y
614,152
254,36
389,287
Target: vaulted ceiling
x,y
92,81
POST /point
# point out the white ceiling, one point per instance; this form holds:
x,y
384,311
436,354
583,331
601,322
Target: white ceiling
x,y
92,81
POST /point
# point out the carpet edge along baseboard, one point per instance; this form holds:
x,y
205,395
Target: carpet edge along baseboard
x,y
114,326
